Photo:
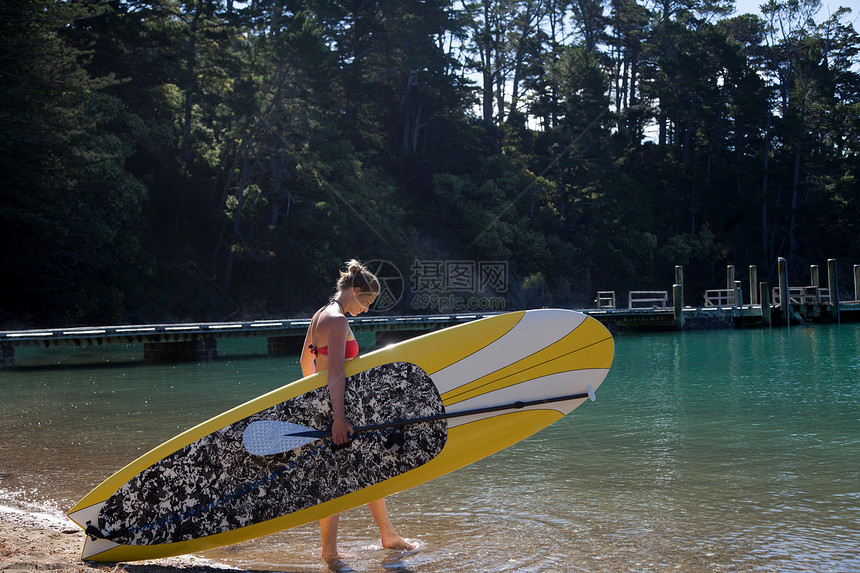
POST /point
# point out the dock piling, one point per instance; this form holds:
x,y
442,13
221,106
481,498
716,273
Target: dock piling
x,y
764,297
784,301
679,280
730,279
782,269
678,302
814,282
857,282
753,282
7,355
284,345
833,286
198,350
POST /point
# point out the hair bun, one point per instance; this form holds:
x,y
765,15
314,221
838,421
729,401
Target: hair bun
x,y
357,275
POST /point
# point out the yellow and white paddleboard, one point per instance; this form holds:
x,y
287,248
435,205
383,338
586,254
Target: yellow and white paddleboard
x,y
421,409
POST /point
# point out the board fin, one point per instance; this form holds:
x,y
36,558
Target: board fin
x,y
93,547
96,541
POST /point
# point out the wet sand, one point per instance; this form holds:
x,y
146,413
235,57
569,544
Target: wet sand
x,y
35,542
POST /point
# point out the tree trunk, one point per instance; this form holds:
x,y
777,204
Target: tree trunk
x,y
795,187
190,84
764,240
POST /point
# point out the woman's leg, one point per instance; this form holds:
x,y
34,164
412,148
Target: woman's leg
x,y
390,538
328,532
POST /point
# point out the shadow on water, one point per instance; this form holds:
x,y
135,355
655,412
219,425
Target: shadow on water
x,y
122,364
53,367
392,564
185,569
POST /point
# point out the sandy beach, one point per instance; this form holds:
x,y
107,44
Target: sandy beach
x,y
42,542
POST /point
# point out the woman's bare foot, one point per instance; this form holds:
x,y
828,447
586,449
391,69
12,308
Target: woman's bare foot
x,y
396,542
390,538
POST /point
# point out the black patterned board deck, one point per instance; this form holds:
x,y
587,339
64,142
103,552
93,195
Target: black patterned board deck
x,y
215,485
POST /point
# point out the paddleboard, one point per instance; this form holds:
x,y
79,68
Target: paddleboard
x,y
421,409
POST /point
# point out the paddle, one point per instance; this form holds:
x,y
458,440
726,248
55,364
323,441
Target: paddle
x,y
269,437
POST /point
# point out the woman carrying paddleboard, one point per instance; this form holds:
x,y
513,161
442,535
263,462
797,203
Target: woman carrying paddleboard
x,y
329,343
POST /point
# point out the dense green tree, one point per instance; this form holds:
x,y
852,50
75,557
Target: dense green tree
x,y
628,22
803,61
70,212
178,159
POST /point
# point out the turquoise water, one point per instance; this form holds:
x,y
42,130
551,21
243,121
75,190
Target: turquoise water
x,y
708,451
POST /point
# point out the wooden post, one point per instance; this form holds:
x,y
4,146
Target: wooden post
x,y
753,282
764,296
782,267
730,284
739,302
784,303
284,345
678,302
198,350
833,286
814,281
7,355
679,280
857,282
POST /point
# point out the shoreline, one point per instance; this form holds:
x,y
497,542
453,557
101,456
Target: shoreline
x,y
40,541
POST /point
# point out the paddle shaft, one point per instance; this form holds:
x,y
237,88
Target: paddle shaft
x,y
512,406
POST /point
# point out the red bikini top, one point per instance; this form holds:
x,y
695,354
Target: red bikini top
x,y
351,349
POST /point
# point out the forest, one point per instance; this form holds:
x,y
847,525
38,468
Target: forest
x,y
172,160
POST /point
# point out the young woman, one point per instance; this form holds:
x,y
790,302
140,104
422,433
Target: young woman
x,y
329,343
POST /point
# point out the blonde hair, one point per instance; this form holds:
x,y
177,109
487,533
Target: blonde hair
x,y
359,277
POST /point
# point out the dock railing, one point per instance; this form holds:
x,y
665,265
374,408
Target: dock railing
x,y
605,300
804,295
648,299
721,297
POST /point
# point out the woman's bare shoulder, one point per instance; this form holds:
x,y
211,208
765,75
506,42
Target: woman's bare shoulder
x,y
329,318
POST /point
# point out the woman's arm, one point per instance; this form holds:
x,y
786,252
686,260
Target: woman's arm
x,y
337,327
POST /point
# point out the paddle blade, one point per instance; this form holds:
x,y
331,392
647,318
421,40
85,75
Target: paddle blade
x,y
269,437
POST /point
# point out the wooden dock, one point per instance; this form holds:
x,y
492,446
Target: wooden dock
x,y
184,332
199,341
647,310
714,317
